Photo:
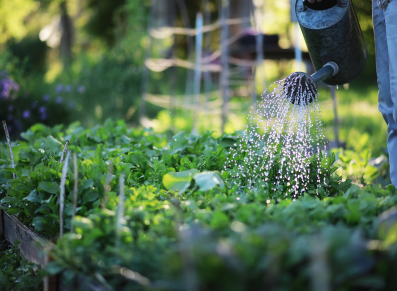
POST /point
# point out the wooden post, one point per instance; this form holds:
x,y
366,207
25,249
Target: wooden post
x,y
107,184
197,71
14,176
190,273
190,48
120,208
207,48
145,74
173,69
319,269
224,11
259,46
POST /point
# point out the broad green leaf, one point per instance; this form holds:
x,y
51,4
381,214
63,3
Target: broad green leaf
x,y
32,197
52,145
208,180
179,181
8,199
90,197
50,187
86,183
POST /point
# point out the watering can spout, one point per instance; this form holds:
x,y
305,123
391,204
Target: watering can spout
x,y
329,70
301,88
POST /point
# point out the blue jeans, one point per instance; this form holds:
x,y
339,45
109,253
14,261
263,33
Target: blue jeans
x,y
385,29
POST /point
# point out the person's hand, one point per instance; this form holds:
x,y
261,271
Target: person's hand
x,y
312,1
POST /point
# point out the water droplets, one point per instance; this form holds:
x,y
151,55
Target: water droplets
x,y
282,135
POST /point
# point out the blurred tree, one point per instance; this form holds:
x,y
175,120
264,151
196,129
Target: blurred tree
x,y
105,16
31,51
12,17
67,37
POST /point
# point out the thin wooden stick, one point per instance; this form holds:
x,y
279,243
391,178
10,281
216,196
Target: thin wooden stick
x,y
65,149
319,268
76,188
62,196
107,184
120,208
9,148
190,274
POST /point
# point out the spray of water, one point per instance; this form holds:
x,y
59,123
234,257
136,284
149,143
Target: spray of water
x,y
280,148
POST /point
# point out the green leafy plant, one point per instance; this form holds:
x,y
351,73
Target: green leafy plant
x,y
15,272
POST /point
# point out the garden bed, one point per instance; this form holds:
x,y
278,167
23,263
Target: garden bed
x,y
153,214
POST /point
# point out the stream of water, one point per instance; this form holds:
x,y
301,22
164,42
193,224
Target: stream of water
x,y
282,135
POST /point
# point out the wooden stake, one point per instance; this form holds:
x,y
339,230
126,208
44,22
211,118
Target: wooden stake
x,y
173,69
76,188
65,149
14,176
319,268
120,208
190,49
197,71
207,48
106,187
145,74
224,12
190,274
62,195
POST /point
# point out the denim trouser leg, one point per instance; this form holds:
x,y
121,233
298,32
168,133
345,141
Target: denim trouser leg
x,y
385,29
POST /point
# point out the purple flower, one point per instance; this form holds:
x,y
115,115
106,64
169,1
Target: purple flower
x,y
10,108
15,86
43,115
46,98
68,88
59,100
10,117
42,109
71,104
81,89
34,104
59,88
17,125
26,114
3,73
5,87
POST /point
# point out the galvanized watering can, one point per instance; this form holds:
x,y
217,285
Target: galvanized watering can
x,y
334,39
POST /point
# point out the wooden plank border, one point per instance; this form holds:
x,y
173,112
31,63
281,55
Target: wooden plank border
x,y
12,229
29,247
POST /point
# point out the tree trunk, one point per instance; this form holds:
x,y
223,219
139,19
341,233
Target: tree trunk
x,y
67,35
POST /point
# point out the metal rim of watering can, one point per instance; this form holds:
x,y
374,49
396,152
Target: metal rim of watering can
x,y
334,66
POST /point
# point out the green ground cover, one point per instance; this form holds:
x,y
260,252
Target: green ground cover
x,y
188,222
16,274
